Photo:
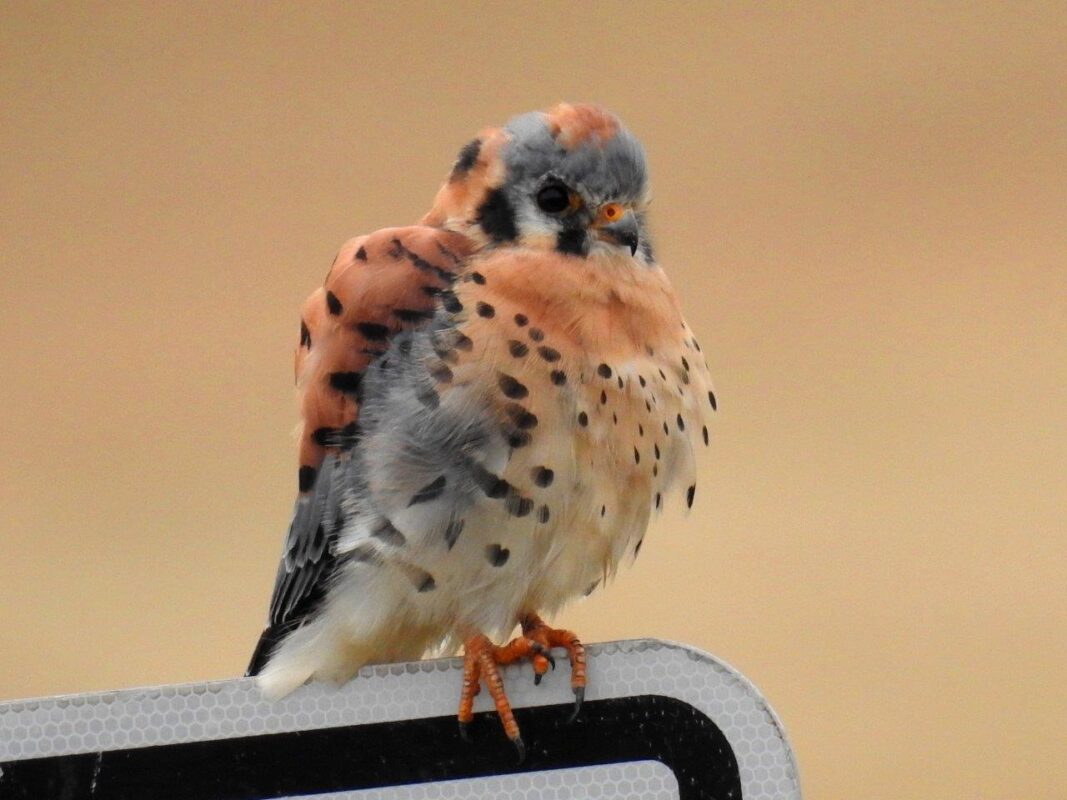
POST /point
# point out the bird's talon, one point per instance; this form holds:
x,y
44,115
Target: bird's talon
x,y
537,678
520,748
579,696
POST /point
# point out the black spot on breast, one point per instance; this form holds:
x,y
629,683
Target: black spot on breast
x,y
543,514
430,291
706,437
548,354
478,278
429,398
637,547
517,349
604,371
559,378
662,375
492,485
583,419
448,356
711,401
467,158
666,430
449,302
497,555
572,242
430,491
603,510
659,499
536,334
521,320
655,470
485,310
306,478
441,373
685,364
517,439
463,342
412,314
603,398
641,380
522,418
640,429
655,450
305,335
373,331
388,533
497,218
680,422
452,532
637,456
333,305
348,382
614,418
518,506
512,388
690,494
361,254
425,583
543,476
621,384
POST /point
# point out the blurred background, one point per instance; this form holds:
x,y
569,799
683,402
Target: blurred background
x,y
863,206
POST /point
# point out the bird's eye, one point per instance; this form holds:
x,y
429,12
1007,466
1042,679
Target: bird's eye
x,y
554,199
611,212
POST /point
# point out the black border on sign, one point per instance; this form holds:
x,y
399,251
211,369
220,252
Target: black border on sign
x,y
380,754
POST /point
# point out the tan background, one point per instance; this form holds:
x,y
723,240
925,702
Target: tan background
x,y
863,207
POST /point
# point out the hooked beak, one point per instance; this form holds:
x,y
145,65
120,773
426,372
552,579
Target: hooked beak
x,y
623,231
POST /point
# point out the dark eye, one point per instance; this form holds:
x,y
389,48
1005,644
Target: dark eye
x,y
554,199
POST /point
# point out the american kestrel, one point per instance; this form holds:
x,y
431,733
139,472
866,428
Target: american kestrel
x,y
495,401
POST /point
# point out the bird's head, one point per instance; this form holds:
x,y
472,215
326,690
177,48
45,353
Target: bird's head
x,y
570,180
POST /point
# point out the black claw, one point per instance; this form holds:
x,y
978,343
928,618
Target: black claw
x,y
537,678
465,732
551,660
579,696
520,747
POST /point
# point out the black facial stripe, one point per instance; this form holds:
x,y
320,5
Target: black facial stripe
x,y
497,218
572,241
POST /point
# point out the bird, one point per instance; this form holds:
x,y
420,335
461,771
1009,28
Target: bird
x,y
495,402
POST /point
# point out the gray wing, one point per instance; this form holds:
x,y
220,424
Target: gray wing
x,y
308,560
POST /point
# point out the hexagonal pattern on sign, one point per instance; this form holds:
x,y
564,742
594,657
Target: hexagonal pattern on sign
x,y
140,718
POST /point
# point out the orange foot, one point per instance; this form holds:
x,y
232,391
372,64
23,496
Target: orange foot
x,y
481,659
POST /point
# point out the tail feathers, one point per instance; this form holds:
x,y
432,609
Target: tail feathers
x,y
322,651
312,651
